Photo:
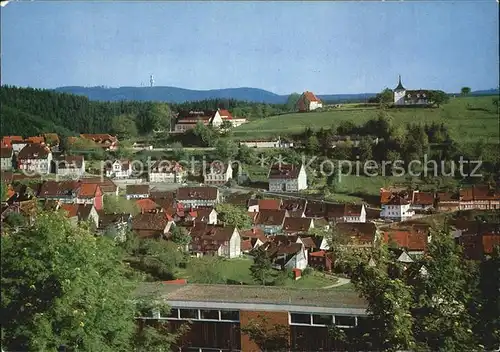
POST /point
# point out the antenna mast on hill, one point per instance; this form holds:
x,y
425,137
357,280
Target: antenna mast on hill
x,y
151,80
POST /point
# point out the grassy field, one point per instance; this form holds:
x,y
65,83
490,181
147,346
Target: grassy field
x,y
469,119
238,271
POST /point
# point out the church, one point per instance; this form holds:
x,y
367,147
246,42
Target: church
x,y
402,96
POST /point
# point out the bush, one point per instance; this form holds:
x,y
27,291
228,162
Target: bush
x,y
307,271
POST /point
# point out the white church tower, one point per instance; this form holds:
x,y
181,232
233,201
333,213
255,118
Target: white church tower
x,y
399,93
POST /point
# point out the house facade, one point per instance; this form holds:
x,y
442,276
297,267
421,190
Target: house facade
x,y
354,213
215,240
308,102
271,221
166,171
194,197
71,166
397,209
137,191
287,178
35,158
119,169
218,174
187,120
227,116
479,197
6,154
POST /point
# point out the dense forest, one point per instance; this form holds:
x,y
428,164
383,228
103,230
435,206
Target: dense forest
x,y
28,111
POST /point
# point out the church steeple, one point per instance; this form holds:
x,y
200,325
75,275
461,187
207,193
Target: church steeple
x,y
400,85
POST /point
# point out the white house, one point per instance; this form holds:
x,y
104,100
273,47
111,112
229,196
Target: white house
x,y
226,116
223,241
71,166
119,169
6,155
217,173
287,178
397,209
355,213
402,96
287,254
194,197
35,158
308,102
266,143
166,171
187,120
207,215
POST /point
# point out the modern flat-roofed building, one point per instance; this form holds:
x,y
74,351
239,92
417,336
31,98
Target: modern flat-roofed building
x,y
219,313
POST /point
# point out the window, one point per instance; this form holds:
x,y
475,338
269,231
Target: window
x,y
296,318
322,319
233,315
174,313
345,320
209,314
189,314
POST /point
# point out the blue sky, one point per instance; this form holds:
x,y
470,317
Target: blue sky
x,y
325,47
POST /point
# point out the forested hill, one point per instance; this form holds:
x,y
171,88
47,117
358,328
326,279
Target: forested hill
x,y
27,111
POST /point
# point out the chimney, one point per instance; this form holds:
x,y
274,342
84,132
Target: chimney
x,y
253,230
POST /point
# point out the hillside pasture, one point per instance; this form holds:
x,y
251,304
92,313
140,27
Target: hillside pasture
x,y
469,119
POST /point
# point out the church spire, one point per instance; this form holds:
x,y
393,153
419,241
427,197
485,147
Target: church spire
x,y
400,85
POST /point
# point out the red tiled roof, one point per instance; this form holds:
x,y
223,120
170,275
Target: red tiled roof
x,y
269,204
35,139
146,205
7,140
416,241
70,162
423,198
71,209
104,183
225,114
397,200
246,245
88,190
360,233
317,254
150,221
479,192
308,242
309,96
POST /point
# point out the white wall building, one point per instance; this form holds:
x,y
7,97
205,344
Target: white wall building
x,y
166,171
218,174
119,169
287,178
397,209
35,158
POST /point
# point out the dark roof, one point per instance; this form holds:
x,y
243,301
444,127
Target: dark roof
x,y
361,233
479,192
297,224
34,151
137,189
150,221
271,217
155,195
201,193
106,220
338,298
6,152
423,198
284,171
294,204
397,200
208,238
59,189
70,161
400,85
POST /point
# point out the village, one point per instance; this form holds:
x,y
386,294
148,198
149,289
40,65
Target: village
x,y
294,230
